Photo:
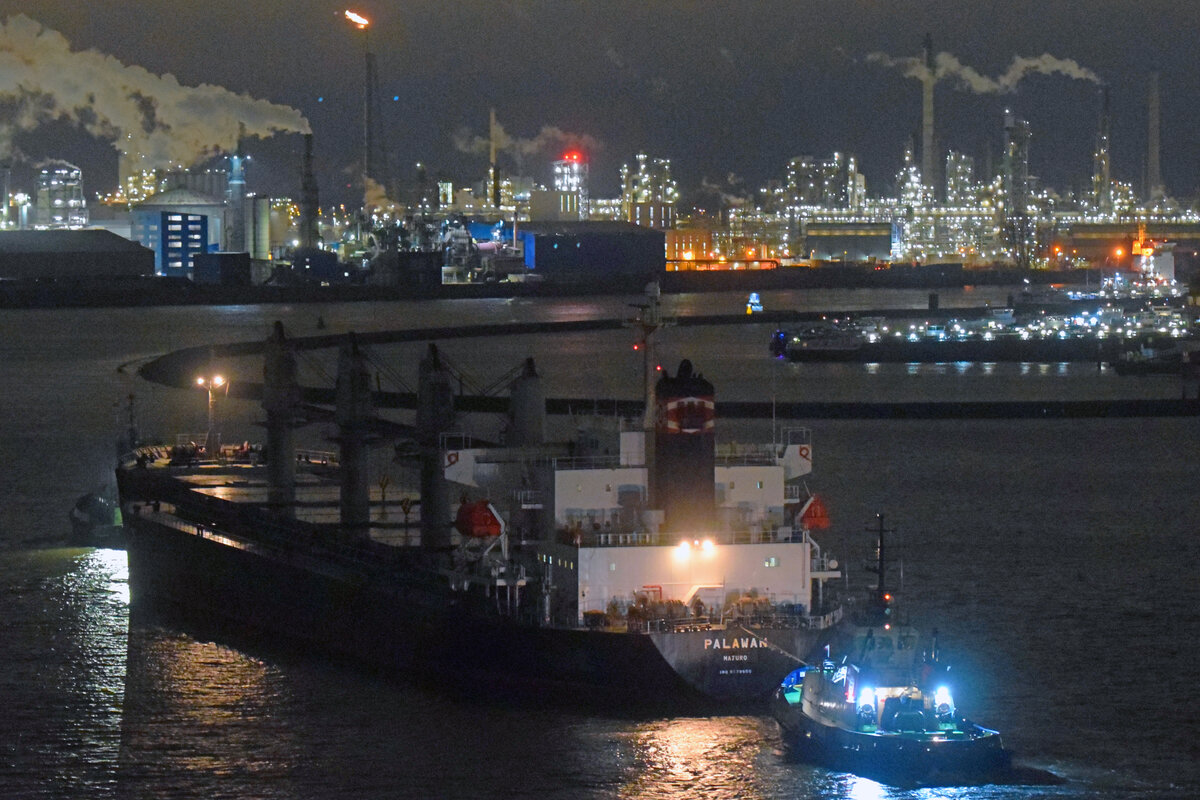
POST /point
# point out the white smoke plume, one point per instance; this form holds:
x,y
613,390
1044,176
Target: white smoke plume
x,y
948,67
375,197
549,138
151,116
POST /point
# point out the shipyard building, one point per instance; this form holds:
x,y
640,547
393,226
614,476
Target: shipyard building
x,y
71,255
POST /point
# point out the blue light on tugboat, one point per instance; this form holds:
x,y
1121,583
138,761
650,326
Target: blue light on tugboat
x,y
866,697
942,697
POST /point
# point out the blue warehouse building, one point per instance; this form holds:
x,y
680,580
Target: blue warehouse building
x,y
578,252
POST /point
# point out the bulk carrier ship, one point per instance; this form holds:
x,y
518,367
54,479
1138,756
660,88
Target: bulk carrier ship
x,y
632,568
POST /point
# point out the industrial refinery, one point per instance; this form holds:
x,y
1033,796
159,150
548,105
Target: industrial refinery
x,y
538,218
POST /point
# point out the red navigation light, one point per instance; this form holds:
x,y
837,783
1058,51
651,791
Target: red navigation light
x,y
887,597
571,156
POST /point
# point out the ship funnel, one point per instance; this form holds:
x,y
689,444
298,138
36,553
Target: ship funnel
x,y
685,451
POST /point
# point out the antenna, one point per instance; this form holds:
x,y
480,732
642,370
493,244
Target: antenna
x,y
879,605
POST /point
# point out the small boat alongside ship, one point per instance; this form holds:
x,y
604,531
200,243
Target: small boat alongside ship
x,y
96,519
651,570
879,704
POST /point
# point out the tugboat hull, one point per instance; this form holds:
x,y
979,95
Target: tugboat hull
x,y
895,757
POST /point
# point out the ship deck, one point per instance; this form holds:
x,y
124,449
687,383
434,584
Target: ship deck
x,y
317,495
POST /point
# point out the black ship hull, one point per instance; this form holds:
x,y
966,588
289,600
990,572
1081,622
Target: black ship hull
x,y
405,617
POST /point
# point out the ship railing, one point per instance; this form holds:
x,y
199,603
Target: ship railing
x,y
620,539
185,439
187,451
777,620
456,441
668,625
588,462
763,458
796,435
764,534
322,457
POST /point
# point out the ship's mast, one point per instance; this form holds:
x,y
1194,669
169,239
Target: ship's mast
x,y
880,602
648,321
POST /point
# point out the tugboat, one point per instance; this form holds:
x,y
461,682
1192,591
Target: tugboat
x,y
880,706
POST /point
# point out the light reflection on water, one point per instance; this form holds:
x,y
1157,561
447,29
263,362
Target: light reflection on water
x,y
63,634
691,757
115,565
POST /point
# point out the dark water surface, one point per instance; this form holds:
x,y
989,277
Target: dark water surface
x,y
1057,558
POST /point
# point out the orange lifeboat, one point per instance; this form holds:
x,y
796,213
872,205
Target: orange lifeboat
x,y
814,516
478,520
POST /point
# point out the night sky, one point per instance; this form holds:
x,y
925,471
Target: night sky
x,y
729,91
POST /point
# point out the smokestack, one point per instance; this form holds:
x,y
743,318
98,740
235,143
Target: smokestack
x,y
1154,187
369,118
308,197
495,173
1102,166
927,81
236,197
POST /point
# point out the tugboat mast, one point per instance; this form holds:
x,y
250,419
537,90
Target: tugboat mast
x,y
879,606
